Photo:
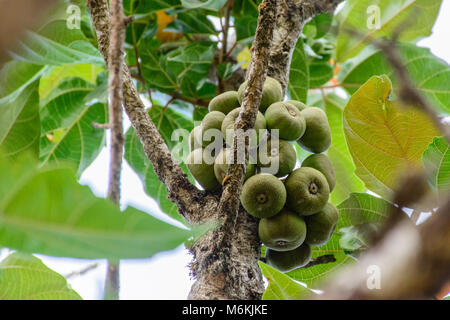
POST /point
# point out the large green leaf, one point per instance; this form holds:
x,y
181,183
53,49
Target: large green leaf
x,y
145,6
55,44
431,75
44,210
25,277
358,208
298,74
384,139
436,161
19,108
67,115
191,21
206,4
167,122
346,180
415,18
281,287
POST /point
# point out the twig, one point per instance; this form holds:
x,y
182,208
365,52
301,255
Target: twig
x,y
117,36
82,271
327,258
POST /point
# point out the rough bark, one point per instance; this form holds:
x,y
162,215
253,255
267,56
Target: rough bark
x,y
231,259
292,16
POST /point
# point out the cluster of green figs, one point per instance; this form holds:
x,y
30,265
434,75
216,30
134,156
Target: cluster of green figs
x,y
290,200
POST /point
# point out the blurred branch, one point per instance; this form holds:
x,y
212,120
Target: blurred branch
x,y
81,272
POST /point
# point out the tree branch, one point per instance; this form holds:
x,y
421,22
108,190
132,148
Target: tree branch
x,y
185,195
292,16
117,36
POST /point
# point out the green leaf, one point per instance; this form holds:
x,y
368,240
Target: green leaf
x,y
25,277
346,180
53,78
245,28
282,287
144,6
385,140
356,238
67,132
436,161
55,44
191,21
136,158
430,75
320,72
19,122
16,76
206,4
318,26
415,18
44,210
299,74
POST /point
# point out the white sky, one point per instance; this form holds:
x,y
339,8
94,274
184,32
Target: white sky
x,y
166,276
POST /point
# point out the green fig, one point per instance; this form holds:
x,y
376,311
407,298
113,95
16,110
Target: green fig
x,y
224,102
286,261
282,232
307,191
222,162
287,119
278,160
272,92
194,138
200,168
228,127
212,120
317,136
263,195
298,104
320,226
322,163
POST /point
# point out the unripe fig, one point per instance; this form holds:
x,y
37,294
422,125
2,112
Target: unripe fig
x,y
298,104
263,195
320,226
287,119
194,138
223,160
286,261
282,232
272,92
201,170
228,124
212,120
284,154
224,102
322,163
307,191
317,136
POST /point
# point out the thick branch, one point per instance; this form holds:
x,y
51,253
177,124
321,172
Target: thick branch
x,y
187,197
292,16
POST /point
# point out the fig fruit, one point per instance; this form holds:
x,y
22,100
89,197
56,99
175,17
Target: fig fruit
x,y
320,226
286,261
298,104
317,136
224,102
263,195
287,119
307,191
224,158
228,125
282,232
278,160
201,170
194,138
272,92
212,120
322,163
